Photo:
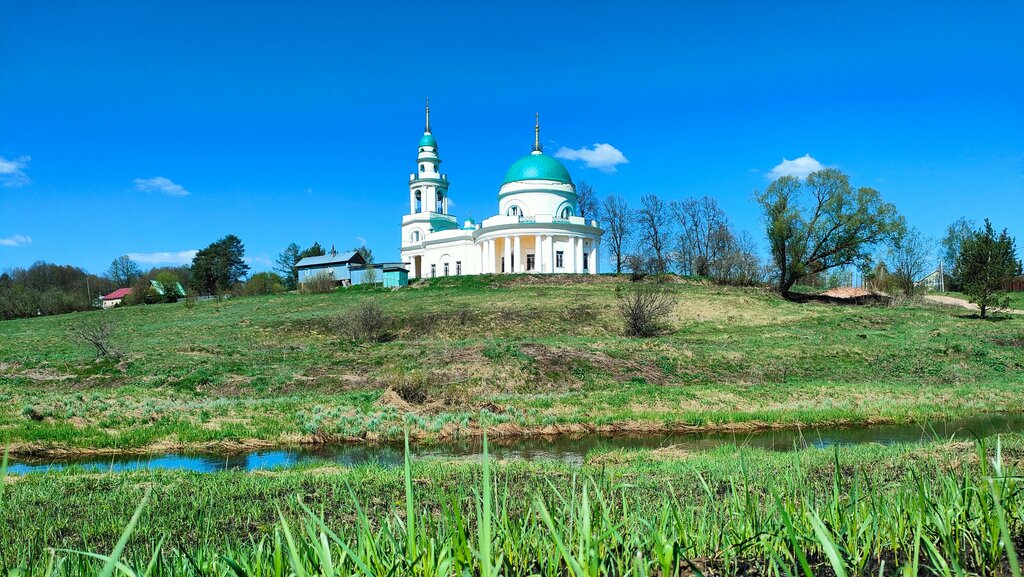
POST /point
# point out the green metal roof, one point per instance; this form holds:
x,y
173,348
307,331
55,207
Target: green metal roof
x,y
537,167
428,140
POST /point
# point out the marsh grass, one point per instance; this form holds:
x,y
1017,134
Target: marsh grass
x,y
947,511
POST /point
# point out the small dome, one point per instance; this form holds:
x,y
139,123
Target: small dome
x,y
428,140
537,167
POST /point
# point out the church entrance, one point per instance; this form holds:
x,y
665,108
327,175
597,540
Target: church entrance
x,y
530,261
417,266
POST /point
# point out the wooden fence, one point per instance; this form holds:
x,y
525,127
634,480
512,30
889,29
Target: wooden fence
x,y
1016,285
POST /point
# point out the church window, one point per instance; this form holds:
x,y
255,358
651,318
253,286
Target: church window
x,y
567,212
433,270
440,202
586,261
559,259
421,168
415,236
445,269
458,267
419,201
530,262
513,211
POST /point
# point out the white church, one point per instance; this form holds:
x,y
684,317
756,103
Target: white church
x,y
536,230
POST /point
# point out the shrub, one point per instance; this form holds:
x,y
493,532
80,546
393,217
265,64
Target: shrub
x,y
365,321
644,307
97,331
320,284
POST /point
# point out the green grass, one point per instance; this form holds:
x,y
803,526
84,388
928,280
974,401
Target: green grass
x,y
534,351
943,509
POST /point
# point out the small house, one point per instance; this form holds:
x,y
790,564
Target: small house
x,y
377,273
337,267
936,281
115,298
395,276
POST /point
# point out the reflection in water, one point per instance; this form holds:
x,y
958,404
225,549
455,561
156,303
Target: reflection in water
x,y
564,448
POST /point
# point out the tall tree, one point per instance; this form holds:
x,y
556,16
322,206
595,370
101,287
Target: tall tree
x,y
218,267
952,244
909,255
822,223
587,202
285,264
618,228
987,264
123,271
654,226
704,235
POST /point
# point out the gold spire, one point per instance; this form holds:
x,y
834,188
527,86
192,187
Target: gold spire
x,y
536,134
427,129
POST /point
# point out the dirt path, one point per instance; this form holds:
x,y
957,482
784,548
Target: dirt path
x,y
955,302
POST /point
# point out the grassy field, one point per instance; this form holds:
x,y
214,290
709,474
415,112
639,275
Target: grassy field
x,y
940,509
1016,298
531,354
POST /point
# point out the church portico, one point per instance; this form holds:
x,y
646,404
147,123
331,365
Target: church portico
x,y
535,231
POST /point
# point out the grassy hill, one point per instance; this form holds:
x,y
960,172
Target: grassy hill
x,y
535,354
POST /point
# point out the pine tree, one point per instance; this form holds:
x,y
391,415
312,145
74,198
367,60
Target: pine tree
x,y
987,264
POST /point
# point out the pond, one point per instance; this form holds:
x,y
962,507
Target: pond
x,y
569,449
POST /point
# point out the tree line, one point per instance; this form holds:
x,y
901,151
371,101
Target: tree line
x,y
814,226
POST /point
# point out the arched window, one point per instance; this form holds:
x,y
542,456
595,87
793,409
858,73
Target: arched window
x,y
440,202
419,201
421,168
415,236
566,212
514,211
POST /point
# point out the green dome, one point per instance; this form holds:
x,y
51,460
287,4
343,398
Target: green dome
x,y
537,167
428,140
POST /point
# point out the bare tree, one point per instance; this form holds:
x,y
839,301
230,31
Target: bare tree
x,y
618,230
587,202
739,264
909,255
97,331
704,235
123,271
654,225
644,306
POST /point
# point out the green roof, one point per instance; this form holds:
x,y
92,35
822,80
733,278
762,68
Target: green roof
x,y
537,167
428,140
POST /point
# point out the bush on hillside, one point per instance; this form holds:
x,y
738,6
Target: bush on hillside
x,y
366,321
98,331
320,284
644,307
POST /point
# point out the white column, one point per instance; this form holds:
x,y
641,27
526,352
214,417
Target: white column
x,y
536,254
595,255
489,259
507,252
551,253
517,252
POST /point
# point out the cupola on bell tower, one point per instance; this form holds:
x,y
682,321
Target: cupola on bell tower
x,y
428,188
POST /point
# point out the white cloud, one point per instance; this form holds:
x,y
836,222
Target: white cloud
x,y
16,240
361,240
162,185
798,167
259,260
603,157
180,257
12,171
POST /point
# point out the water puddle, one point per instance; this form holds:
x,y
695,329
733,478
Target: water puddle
x,y
569,449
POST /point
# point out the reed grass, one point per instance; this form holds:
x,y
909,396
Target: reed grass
x,y
873,511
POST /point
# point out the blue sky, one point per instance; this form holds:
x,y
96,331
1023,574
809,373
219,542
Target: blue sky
x,y
149,128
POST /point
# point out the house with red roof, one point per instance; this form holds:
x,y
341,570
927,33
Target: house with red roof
x,y
113,299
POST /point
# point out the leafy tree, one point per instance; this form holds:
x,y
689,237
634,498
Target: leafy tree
x,y
654,226
822,223
286,262
909,255
123,271
364,252
987,264
168,281
315,250
586,201
216,268
952,244
264,283
618,229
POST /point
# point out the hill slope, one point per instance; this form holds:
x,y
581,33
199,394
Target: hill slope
x,y
539,354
